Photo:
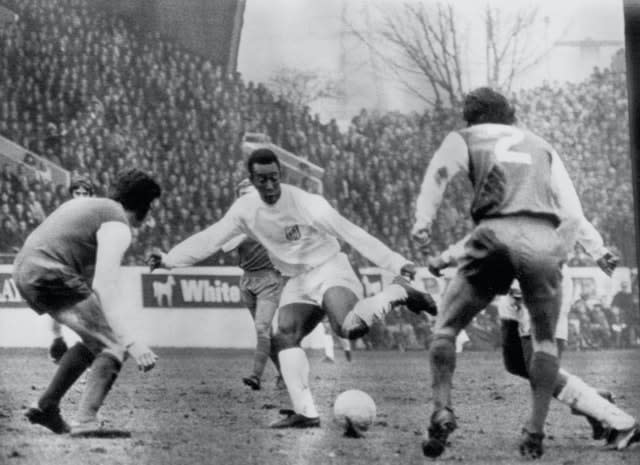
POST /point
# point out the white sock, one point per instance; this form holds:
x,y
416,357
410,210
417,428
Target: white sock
x,y
346,344
294,367
328,345
377,306
579,395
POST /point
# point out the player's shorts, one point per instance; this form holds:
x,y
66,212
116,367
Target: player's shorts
x,y
264,284
47,286
310,286
69,300
500,250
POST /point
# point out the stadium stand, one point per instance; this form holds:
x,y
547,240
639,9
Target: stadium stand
x,y
92,95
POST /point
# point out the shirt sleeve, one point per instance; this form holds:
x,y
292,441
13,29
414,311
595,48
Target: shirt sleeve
x,y
233,243
574,227
113,239
205,243
327,219
455,251
451,157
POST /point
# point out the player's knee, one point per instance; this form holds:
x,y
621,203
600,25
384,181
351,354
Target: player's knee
x,y
263,329
280,342
443,350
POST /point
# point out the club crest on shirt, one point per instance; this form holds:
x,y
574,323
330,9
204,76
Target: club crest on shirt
x,y
292,233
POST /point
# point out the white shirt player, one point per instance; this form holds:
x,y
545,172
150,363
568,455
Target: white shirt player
x,y
300,232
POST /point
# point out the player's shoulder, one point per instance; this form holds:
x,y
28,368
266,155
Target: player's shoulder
x,y
249,201
107,208
298,195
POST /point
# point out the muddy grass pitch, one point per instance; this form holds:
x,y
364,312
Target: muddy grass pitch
x,y
193,409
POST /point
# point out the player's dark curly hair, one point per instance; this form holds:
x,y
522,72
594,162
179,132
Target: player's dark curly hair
x,y
135,190
262,157
485,105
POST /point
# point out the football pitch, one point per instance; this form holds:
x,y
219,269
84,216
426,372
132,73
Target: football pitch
x,y
193,409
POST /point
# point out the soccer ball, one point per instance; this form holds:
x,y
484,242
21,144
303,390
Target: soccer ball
x,y
357,406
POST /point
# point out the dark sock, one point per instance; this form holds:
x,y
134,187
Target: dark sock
x,y
543,373
72,364
104,372
442,354
273,355
263,350
512,349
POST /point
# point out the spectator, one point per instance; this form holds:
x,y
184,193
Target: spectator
x,y
623,306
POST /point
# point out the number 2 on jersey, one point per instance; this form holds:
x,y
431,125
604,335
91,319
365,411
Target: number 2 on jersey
x,y
503,146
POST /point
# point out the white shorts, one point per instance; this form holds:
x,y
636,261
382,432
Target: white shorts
x,y
310,286
507,311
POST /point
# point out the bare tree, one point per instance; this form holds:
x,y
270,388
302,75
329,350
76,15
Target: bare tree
x,y
513,43
421,43
301,87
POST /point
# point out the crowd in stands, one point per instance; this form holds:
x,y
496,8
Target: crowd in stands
x,y
96,95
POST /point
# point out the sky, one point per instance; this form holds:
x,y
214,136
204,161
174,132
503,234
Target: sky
x,y
315,35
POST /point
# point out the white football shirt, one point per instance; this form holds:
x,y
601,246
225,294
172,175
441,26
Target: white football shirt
x,y
300,231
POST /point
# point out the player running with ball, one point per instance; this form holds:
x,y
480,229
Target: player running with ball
x,y
300,231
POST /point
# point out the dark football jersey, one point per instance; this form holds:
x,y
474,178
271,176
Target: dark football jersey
x,y
510,169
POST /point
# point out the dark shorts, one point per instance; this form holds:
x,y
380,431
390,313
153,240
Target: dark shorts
x,y
503,249
261,285
47,286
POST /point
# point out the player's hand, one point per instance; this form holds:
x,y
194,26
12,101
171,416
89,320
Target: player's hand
x,y
608,263
408,271
155,259
144,357
422,238
436,264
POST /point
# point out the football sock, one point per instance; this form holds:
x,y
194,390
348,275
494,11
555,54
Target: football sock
x,y
377,306
104,372
586,400
263,350
294,367
328,345
273,355
543,373
442,354
72,364
512,352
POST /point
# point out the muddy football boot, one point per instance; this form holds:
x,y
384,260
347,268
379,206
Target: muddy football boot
x,y
443,423
620,439
96,429
49,418
531,444
252,381
295,420
416,301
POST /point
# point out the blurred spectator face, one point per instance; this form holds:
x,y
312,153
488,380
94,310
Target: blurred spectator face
x,y
80,191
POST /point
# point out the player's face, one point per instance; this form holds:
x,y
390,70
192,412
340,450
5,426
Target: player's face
x,y
80,191
266,179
